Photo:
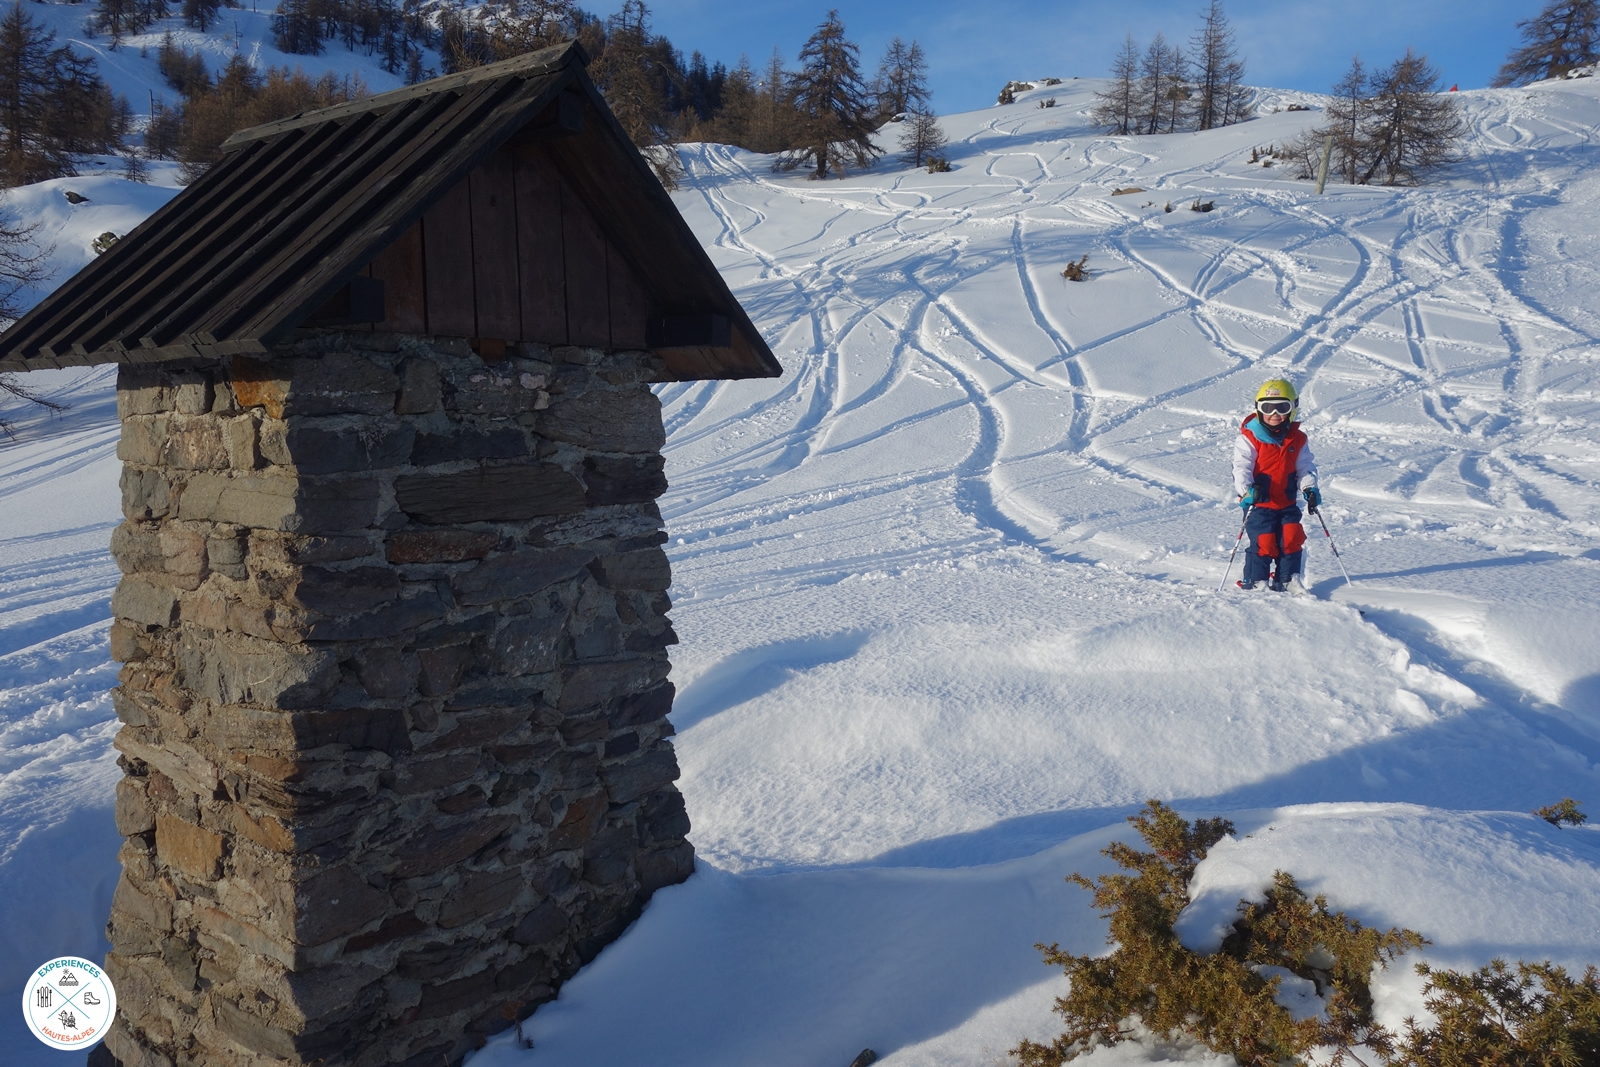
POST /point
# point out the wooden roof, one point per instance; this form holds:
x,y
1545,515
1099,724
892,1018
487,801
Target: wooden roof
x,y
296,209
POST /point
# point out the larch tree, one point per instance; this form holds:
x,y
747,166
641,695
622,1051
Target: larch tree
x,y
1175,100
1237,105
522,26
921,138
165,128
1413,128
835,105
773,125
243,96
630,74
1158,76
735,123
200,13
902,84
118,18
29,76
23,264
296,28
1566,34
1118,107
1348,112
53,107
1220,98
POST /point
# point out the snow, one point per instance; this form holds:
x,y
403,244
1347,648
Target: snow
x,y
946,588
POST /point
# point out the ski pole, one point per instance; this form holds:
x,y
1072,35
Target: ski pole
x,y
1331,545
1235,551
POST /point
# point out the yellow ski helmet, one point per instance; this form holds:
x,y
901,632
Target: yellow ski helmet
x,y
1279,389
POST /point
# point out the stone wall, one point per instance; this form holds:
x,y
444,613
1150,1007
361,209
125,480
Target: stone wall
x,y
394,626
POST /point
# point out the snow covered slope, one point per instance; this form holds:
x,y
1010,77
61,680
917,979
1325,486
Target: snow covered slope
x,y
945,589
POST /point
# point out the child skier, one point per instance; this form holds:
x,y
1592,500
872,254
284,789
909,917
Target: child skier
x,y
1272,462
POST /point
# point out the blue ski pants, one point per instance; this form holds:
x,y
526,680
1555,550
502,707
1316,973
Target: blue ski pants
x,y
1275,534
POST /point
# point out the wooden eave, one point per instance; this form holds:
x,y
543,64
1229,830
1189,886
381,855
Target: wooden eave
x,y
297,208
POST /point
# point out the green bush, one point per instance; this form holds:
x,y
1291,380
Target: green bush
x,y
1220,999
1537,1017
1534,1015
1565,812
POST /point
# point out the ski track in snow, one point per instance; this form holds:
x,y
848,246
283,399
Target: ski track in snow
x,y
945,588
968,455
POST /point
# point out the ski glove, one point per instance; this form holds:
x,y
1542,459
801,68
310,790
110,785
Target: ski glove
x,y
1313,498
1248,501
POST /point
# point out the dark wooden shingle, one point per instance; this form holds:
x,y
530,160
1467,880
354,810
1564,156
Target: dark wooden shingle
x,y
503,203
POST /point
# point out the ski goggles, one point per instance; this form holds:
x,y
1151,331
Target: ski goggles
x,y
1275,407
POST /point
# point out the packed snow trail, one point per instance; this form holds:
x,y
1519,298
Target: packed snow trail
x,y
944,588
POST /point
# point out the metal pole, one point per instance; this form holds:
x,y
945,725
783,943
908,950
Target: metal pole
x,y
1322,171
1235,551
1331,545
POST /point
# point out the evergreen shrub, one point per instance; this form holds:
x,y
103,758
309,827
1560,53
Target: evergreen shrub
x,y
1221,999
1537,1017
1567,811
1526,1015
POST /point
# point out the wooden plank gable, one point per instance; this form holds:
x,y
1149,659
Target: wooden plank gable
x,y
504,204
510,254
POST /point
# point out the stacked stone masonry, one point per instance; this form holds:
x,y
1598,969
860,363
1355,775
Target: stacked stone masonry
x,y
394,626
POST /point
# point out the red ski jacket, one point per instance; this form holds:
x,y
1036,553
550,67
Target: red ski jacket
x,y
1276,466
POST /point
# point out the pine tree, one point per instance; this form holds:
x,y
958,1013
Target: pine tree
x,y
902,84
1118,108
834,103
1219,72
696,95
921,138
1566,34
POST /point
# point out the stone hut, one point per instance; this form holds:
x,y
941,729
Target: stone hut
x,y
393,607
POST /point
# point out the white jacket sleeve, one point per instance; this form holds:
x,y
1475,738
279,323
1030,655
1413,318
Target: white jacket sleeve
x,y
1244,465
1305,467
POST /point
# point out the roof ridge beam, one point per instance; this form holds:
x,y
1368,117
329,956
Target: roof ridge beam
x,y
528,65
